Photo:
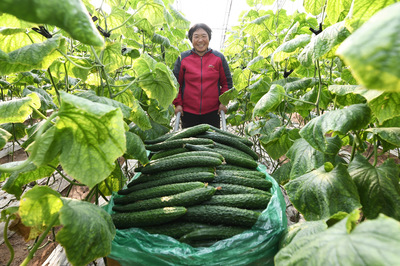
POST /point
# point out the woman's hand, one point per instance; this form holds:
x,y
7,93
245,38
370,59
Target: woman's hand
x,y
221,108
178,109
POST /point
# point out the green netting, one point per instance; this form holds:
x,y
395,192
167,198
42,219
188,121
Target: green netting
x,y
256,246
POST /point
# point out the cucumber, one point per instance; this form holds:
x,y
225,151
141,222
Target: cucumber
x,y
229,148
227,133
178,163
226,189
247,174
175,229
190,132
147,218
159,139
185,199
188,177
234,167
244,201
163,190
150,177
230,141
262,184
220,215
190,153
215,233
166,153
177,143
229,156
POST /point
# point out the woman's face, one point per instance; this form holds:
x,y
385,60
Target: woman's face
x,y
200,41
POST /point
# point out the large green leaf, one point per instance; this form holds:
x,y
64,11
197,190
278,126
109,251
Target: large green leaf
x,y
18,110
279,142
373,242
320,194
4,137
386,106
135,148
89,137
336,8
291,47
240,78
111,56
14,38
71,16
139,116
300,85
322,44
302,229
34,56
305,158
354,117
91,95
363,10
179,20
269,101
378,187
372,53
18,179
313,6
388,134
152,10
228,96
86,224
38,208
156,79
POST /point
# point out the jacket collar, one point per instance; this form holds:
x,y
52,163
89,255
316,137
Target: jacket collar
x,y
208,51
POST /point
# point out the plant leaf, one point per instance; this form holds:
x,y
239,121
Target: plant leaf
x,y
386,106
305,158
269,101
354,117
388,134
323,43
38,207
135,148
378,187
363,10
320,194
291,47
18,110
86,224
376,242
34,56
91,137
4,137
71,16
158,81
17,179
371,51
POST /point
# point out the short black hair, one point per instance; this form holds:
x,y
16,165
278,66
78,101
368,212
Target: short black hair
x,y
199,26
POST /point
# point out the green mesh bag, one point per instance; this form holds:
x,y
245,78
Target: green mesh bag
x,y
256,246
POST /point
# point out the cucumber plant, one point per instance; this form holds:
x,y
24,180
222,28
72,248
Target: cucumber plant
x,y
324,109
81,87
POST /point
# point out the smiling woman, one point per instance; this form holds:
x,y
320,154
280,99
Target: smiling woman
x,y
203,75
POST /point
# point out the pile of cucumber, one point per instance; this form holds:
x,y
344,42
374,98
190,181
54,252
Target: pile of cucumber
x,y
200,186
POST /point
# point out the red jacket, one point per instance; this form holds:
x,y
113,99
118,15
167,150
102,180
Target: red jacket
x,y
201,80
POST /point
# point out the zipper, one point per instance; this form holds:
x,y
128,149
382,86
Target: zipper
x,y
201,82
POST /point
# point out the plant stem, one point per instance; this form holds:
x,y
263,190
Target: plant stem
x,y
54,85
42,237
10,248
375,150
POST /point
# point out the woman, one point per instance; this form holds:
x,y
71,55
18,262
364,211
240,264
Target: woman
x,y
203,75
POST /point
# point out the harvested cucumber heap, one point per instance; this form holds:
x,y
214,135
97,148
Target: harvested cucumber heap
x,y
200,186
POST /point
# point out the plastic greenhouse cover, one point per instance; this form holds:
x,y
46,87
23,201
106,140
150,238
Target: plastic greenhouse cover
x,y
258,245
